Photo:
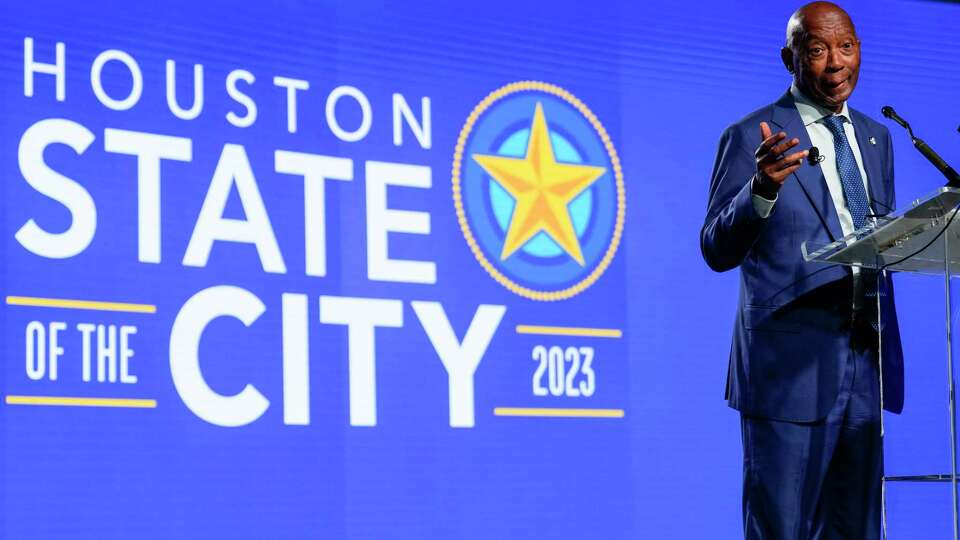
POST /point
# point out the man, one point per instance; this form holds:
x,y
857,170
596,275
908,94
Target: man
x,y
804,360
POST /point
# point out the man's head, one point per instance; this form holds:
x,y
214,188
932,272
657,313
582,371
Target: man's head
x,y
823,53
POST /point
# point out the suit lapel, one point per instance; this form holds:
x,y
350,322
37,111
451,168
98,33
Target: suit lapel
x,y
869,153
786,118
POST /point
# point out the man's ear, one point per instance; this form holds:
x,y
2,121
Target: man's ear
x,y
786,55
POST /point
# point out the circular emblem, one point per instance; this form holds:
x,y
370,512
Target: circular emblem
x,y
538,190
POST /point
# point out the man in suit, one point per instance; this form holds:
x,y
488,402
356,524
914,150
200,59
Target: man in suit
x,y
804,363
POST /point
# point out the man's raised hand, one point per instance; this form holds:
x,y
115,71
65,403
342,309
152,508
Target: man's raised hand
x,y
773,167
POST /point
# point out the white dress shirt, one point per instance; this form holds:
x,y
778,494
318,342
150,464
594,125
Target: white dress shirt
x,y
812,116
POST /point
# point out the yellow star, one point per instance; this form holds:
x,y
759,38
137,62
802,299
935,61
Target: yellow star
x,y
542,189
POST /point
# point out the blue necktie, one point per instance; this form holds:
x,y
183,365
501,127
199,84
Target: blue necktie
x,y
856,197
850,179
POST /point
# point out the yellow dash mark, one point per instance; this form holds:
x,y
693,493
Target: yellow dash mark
x,y
569,331
559,413
82,402
80,304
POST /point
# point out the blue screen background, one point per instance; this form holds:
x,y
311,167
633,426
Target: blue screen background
x,y
663,79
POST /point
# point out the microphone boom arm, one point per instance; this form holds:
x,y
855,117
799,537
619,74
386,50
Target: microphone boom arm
x,y
953,179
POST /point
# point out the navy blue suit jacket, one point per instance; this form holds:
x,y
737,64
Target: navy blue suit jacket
x,y
792,334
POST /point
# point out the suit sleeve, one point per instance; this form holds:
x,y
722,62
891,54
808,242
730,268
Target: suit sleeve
x,y
732,224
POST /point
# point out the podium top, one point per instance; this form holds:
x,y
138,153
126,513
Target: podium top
x,y
889,241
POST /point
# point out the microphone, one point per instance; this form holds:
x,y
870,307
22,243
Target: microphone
x,y
953,179
888,111
813,155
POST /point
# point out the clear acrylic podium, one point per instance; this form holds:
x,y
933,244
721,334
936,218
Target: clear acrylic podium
x,y
923,239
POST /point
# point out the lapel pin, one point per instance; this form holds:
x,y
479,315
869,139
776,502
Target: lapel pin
x,y
872,140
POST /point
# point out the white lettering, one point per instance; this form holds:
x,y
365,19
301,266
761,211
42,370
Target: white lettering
x,y
362,316
36,350
106,352
234,170
382,220
193,318
126,353
96,72
86,337
420,130
57,69
66,191
315,169
366,113
296,364
149,149
460,359
250,116
292,85
197,107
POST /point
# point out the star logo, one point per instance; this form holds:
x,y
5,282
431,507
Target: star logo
x,y
538,190
542,188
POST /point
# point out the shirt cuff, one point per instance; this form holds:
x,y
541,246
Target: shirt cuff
x,y
763,207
